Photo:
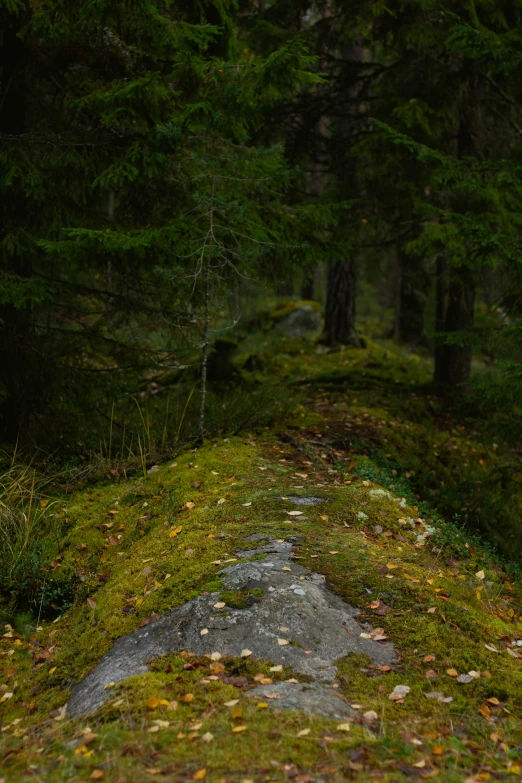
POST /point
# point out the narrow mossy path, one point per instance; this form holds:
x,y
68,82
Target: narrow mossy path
x,y
137,549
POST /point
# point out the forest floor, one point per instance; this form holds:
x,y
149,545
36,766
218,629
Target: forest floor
x,y
361,432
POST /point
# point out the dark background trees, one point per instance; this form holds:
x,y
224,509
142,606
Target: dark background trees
x,y
160,159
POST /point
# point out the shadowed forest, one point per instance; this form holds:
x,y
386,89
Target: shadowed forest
x,y
261,308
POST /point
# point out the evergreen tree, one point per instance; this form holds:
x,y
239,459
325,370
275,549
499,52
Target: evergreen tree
x,y
116,124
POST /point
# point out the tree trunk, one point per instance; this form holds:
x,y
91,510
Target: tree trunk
x,y
341,293
440,324
453,359
414,283
308,288
453,372
339,325
15,323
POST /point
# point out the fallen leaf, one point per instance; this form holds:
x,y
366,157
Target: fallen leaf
x,y
452,673
238,729
399,693
97,774
188,505
465,679
92,603
153,702
370,716
480,575
231,703
187,698
200,774
343,727
221,501
295,513
277,668
437,750
303,733
247,504
262,705
215,656
174,532
283,642
208,737
203,632
246,653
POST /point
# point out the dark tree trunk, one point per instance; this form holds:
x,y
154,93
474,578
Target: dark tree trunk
x,y
15,323
453,372
456,299
339,327
414,284
440,324
308,288
341,293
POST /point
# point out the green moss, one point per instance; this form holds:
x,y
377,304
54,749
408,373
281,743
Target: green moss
x,y
365,540
241,599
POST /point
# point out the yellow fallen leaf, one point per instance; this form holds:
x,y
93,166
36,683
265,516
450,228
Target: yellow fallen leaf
x,y
437,750
452,672
238,729
215,656
262,705
200,774
188,505
231,703
278,668
245,653
480,575
221,501
343,727
153,702
52,671
175,531
187,698
97,774
283,642
303,733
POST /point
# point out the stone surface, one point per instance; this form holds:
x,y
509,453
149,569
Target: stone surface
x,y
303,501
319,627
311,697
303,322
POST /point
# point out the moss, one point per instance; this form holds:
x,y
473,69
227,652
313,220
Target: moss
x,y
241,599
366,539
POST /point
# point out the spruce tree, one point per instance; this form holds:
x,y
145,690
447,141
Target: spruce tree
x,y
123,127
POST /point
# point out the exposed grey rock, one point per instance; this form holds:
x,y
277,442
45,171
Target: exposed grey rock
x,y
319,627
311,697
303,322
311,501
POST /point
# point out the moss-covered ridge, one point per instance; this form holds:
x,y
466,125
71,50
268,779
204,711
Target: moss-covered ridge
x,y
440,609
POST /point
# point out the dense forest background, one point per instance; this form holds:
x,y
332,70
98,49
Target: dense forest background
x,y
172,173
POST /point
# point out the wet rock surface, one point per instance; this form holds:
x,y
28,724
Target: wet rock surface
x,y
296,622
